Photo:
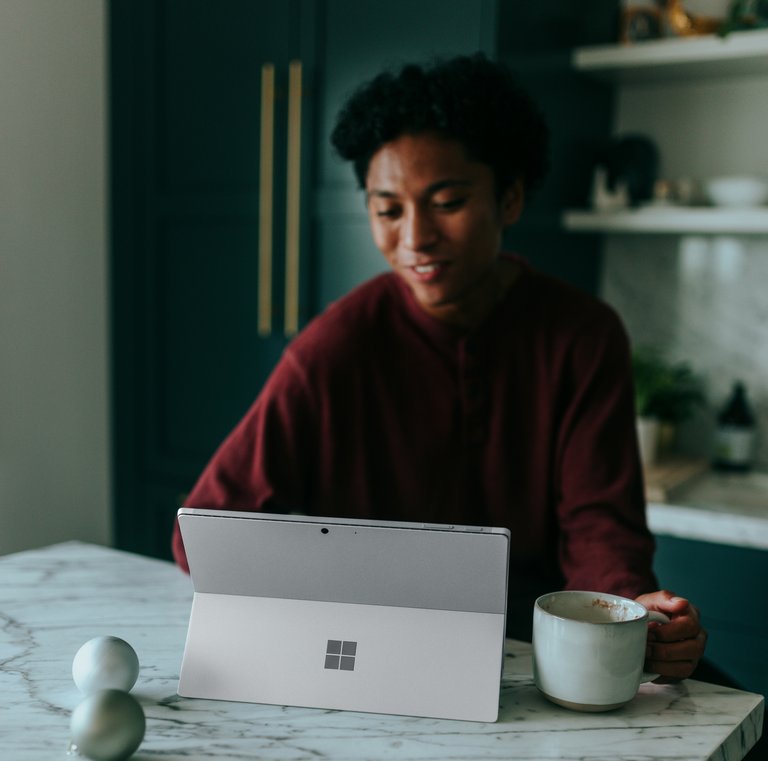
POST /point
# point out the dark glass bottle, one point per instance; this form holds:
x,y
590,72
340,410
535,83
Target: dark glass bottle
x,y
735,435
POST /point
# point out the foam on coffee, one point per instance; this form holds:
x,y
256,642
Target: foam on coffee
x,y
598,611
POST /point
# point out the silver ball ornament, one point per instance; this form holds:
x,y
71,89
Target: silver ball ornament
x,y
108,725
105,663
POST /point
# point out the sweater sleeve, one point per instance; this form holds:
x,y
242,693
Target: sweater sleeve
x,y
604,542
263,463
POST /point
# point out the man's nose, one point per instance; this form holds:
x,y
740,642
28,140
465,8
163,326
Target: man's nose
x,y
419,232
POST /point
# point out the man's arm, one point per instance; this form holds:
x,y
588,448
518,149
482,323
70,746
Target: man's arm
x,y
605,541
605,544
262,464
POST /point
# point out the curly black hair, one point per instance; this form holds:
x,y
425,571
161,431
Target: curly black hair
x,y
471,99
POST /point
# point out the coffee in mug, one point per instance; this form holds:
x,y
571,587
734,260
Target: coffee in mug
x,y
589,648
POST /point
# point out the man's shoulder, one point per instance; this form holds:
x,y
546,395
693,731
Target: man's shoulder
x,y
351,323
567,305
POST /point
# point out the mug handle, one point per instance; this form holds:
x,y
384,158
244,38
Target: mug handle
x,y
653,615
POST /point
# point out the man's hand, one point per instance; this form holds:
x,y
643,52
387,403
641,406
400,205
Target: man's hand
x,y
673,649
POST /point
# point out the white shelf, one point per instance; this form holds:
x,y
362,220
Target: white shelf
x,y
674,220
738,54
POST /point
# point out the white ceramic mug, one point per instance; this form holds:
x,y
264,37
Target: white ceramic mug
x,y
589,648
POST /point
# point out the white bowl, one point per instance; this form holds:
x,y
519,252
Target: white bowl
x,y
738,190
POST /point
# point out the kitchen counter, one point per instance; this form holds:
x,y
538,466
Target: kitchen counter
x,y
716,507
54,599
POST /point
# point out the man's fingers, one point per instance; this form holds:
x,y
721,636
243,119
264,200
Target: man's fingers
x,y
677,629
675,659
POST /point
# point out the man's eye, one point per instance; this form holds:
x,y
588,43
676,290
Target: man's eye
x,y
390,213
451,204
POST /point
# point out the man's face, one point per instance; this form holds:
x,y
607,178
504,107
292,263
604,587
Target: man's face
x,y
435,217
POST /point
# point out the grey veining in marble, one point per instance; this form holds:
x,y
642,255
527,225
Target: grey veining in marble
x,y
700,299
52,600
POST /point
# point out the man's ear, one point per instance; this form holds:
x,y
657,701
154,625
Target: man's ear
x,y
512,202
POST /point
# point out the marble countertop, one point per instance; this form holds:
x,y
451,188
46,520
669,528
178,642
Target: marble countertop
x,y
54,599
724,508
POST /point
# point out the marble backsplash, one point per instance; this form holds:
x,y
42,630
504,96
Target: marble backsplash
x,y
703,300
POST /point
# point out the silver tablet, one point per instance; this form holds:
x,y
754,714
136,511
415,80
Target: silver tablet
x,y
386,617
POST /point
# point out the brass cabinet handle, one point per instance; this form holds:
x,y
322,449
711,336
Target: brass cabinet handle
x,y
293,201
266,172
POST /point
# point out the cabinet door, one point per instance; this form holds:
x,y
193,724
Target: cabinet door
x,y
201,100
723,582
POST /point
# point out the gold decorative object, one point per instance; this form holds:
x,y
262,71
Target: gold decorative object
x,y
654,19
681,23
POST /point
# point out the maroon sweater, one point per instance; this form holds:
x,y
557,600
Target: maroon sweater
x,y
377,410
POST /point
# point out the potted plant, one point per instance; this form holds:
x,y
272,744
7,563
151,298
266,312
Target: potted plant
x,y
666,394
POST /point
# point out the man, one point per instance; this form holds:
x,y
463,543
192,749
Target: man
x,y
463,386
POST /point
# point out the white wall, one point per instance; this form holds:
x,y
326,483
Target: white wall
x,y
699,298
54,440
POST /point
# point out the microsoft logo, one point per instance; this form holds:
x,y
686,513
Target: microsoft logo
x,y
340,655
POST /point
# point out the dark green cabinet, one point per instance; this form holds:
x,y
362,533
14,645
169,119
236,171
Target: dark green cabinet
x,y
726,583
196,87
